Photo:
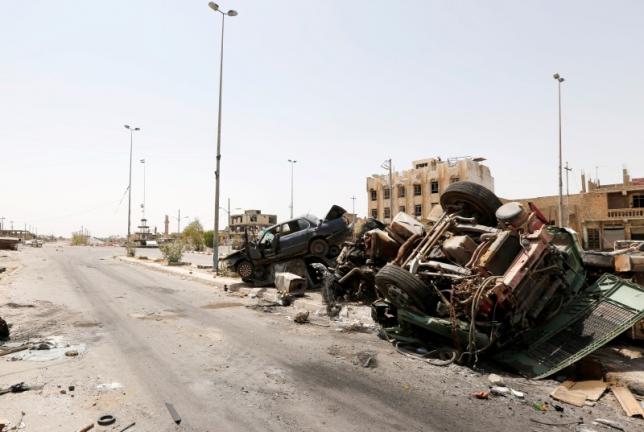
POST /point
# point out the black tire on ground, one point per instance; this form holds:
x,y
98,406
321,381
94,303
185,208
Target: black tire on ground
x,y
334,251
472,200
245,269
319,247
403,289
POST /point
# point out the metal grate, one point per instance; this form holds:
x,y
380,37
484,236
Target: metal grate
x,y
586,331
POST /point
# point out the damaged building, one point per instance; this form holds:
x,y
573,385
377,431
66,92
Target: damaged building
x,y
600,214
416,191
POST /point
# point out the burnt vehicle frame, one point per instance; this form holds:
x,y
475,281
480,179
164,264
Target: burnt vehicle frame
x,y
497,278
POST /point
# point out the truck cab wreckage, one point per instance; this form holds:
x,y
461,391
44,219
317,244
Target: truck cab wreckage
x,y
488,279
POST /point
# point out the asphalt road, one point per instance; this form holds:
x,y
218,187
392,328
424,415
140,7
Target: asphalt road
x,y
223,366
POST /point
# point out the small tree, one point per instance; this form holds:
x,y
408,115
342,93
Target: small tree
x,y
193,235
208,238
172,251
79,239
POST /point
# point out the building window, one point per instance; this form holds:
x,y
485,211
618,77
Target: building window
x,y
434,185
454,179
374,213
593,239
638,201
418,210
387,212
374,195
387,193
421,165
401,209
401,191
417,190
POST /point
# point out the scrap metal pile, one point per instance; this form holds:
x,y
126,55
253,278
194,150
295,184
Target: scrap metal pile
x,y
486,277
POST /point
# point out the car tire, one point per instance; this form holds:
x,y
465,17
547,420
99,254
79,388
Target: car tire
x,y
319,247
403,289
334,251
245,270
472,200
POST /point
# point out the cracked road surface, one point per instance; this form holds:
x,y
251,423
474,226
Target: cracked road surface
x,y
152,337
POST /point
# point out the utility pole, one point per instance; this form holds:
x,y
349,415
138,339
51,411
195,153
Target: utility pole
x,y
179,222
568,169
292,162
559,80
143,205
228,214
353,205
129,187
2,223
388,166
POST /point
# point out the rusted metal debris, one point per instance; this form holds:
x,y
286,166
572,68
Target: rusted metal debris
x,y
489,278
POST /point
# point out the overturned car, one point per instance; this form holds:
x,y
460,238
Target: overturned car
x,y
492,277
298,242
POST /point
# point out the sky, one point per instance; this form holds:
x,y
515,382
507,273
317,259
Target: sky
x,y
338,86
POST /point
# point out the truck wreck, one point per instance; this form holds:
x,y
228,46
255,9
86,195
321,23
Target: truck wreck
x,y
495,278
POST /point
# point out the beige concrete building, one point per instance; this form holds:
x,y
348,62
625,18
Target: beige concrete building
x,y
416,191
601,214
253,220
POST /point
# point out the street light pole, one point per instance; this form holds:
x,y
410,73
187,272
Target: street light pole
x,y
559,80
292,162
215,243
129,186
143,205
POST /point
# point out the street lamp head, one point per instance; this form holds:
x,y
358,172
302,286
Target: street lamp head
x,y
561,79
556,76
137,129
231,13
127,126
214,6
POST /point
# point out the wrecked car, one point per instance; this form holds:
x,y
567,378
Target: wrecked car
x,y
496,278
352,278
306,237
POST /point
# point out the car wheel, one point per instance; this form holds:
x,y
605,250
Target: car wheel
x,y
245,270
319,247
403,289
334,251
471,200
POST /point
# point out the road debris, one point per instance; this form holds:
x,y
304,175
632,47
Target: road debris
x,y
629,404
87,428
106,420
130,425
481,395
495,380
19,388
366,359
301,317
173,412
4,329
610,423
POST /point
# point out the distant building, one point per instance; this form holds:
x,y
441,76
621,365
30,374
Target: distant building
x,y
417,191
601,214
252,220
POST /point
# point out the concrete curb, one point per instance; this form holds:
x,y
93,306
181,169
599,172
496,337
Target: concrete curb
x,y
312,301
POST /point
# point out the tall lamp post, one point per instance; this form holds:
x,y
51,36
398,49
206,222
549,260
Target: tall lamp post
x,y
215,243
143,205
559,80
129,186
292,162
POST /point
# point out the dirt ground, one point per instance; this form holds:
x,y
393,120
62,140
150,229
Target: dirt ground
x,y
143,338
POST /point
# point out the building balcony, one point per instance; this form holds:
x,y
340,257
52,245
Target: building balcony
x,y
626,213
